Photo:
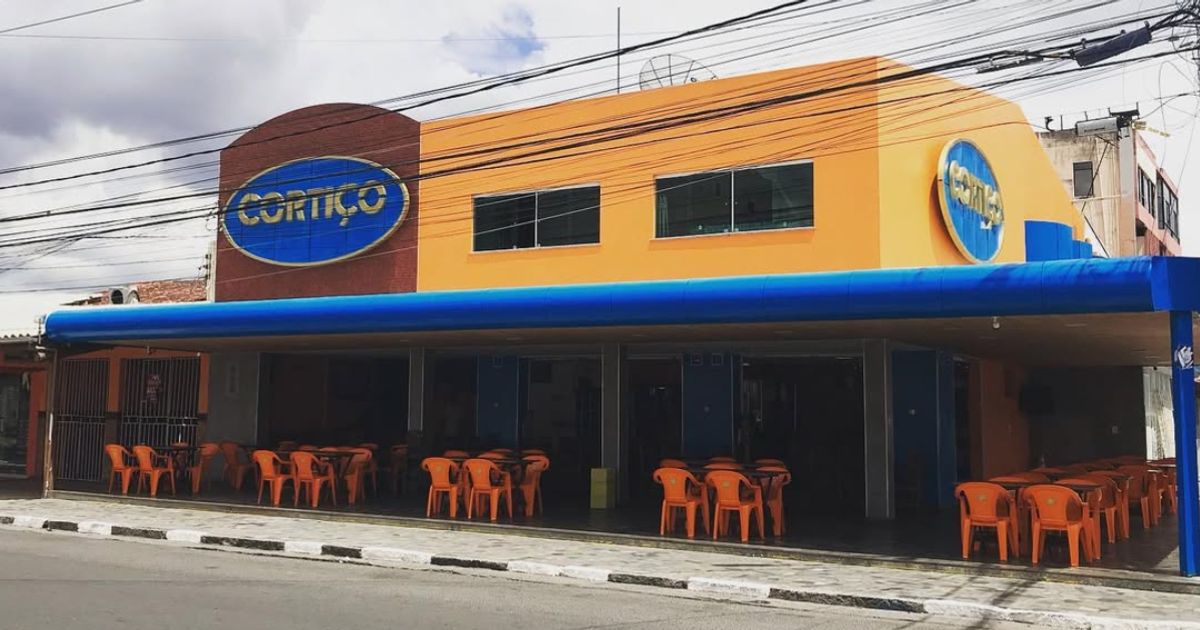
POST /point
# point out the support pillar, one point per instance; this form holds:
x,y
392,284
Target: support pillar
x,y
613,431
1183,393
877,432
417,398
48,443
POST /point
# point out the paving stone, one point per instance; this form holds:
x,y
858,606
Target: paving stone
x,y
597,561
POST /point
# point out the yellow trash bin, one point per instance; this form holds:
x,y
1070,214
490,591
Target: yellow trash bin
x,y
604,488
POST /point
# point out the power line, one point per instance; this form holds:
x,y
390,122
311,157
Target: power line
x,y
67,17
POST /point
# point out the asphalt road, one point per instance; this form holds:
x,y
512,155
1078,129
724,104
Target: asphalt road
x,y
69,582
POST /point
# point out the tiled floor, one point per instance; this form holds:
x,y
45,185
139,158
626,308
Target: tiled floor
x,y
926,536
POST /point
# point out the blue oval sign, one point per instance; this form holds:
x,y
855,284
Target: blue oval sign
x,y
970,200
315,211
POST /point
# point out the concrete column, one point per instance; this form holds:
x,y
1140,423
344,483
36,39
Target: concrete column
x,y
877,432
613,416
1183,393
416,389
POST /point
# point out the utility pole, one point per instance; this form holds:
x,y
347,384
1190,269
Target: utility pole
x,y
618,50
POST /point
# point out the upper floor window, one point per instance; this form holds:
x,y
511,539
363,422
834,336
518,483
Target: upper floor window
x,y
1146,192
543,218
1082,174
736,200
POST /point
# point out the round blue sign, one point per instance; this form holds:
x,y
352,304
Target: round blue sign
x,y
970,198
315,211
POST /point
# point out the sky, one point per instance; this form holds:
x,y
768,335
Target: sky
x,y
157,70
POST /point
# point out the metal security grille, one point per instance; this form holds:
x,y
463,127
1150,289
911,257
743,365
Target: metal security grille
x,y
80,399
160,401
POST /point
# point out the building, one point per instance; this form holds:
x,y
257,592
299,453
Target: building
x,y
1130,208
1129,203
873,274
101,394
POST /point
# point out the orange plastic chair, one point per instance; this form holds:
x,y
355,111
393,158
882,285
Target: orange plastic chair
x,y
532,451
774,489
371,468
1094,499
1169,487
1055,508
443,474
273,472
985,504
356,473
208,450
1122,499
537,482
312,474
494,456
488,482
722,458
531,483
767,461
235,469
398,466
1142,488
1109,505
1075,469
307,447
148,468
672,463
506,451
722,466
455,453
728,485
681,490
118,461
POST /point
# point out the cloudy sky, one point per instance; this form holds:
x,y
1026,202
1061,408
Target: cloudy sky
x,y
163,69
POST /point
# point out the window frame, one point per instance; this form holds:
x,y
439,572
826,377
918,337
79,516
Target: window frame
x,y
536,217
730,171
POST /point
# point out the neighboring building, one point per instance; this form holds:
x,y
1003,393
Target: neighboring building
x,y
1130,204
96,389
22,392
874,276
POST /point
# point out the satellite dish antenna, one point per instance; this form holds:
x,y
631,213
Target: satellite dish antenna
x,y
668,70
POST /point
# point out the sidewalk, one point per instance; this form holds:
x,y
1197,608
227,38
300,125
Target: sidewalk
x,y
1032,601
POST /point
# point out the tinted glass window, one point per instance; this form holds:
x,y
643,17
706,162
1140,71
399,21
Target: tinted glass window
x,y
568,217
1083,179
693,204
773,197
504,222
536,219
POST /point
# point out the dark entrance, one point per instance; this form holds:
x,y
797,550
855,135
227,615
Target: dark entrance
x,y
807,411
14,423
655,418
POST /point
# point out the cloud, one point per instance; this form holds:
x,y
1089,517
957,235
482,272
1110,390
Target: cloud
x,y
503,45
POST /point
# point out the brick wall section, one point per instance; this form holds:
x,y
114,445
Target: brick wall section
x,y
156,292
337,129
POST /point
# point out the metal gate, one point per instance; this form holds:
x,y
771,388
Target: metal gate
x,y
80,400
160,401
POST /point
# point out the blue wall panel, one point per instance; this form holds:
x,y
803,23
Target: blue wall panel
x,y
1048,240
923,416
498,401
708,403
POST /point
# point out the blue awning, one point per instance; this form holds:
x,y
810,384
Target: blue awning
x,y
1056,287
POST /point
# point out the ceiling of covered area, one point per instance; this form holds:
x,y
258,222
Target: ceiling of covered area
x,y
1058,340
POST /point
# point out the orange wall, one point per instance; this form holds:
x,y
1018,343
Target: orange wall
x,y
874,149
845,195
914,127
1003,431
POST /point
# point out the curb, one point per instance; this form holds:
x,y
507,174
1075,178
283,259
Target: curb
x,y
715,586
